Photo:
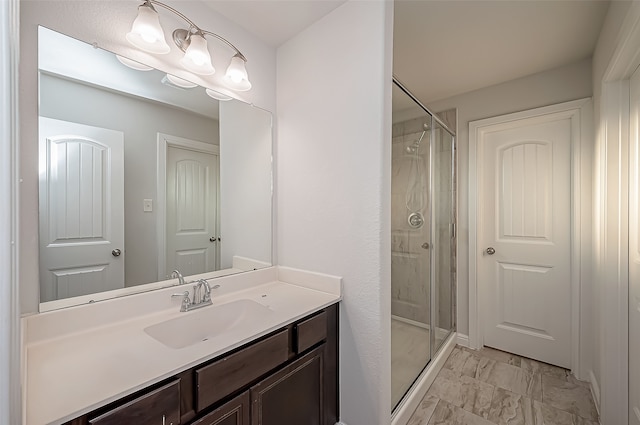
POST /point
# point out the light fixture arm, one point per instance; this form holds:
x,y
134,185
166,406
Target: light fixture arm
x,y
225,41
193,26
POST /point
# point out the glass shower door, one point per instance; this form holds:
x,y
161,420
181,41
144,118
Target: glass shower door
x,y
443,251
423,248
410,254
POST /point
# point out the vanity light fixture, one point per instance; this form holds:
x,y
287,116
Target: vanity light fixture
x,y
147,34
217,95
133,64
178,82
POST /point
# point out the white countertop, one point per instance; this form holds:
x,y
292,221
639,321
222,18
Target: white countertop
x,y
72,369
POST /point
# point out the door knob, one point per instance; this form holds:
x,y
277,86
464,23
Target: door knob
x,y
213,239
116,252
425,245
490,250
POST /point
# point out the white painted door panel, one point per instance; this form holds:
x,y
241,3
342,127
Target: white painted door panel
x,y
81,209
525,216
191,211
634,252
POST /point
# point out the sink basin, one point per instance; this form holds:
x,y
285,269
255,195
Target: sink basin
x,y
206,323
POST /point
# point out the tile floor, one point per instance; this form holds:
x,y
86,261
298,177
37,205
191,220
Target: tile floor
x,y
491,387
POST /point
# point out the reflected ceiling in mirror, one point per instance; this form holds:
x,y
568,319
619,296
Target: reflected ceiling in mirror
x,y
140,175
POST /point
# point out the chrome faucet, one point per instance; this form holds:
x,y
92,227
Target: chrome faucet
x,y
197,300
206,297
177,274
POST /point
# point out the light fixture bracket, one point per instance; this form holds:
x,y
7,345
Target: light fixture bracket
x,y
182,38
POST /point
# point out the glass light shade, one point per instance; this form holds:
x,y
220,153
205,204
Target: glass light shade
x,y
146,32
133,64
197,58
180,82
217,95
236,77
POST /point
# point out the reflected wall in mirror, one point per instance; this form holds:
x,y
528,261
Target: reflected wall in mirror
x,y
140,176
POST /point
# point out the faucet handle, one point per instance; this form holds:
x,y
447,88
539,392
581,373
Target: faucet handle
x,y
186,302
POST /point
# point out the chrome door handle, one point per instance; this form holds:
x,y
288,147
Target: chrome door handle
x,y
425,245
116,252
490,250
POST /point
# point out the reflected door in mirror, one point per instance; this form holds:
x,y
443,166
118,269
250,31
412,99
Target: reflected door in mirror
x,y
192,182
81,209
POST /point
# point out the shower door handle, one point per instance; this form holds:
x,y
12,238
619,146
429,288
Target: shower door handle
x,y
490,250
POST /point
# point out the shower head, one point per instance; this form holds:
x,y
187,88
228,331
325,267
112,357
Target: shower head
x,y
413,148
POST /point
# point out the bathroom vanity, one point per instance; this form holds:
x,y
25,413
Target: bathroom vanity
x,y
274,363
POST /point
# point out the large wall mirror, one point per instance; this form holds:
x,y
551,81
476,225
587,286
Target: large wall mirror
x,y
142,173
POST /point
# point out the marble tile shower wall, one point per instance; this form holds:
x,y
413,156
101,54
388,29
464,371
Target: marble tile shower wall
x,y
410,266
410,262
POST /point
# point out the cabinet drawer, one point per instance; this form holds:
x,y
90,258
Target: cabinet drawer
x,y
160,406
311,331
232,372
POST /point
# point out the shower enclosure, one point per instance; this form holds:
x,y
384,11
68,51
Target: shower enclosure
x,y
422,240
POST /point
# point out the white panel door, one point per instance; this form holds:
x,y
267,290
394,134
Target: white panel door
x,y
192,238
81,209
634,253
524,235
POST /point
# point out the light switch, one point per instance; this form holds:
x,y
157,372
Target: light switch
x,y
148,205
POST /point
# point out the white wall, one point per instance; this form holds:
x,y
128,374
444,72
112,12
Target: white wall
x,y
245,183
546,88
106,22
140,120
334,166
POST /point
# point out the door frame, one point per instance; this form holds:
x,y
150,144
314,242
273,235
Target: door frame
x,y
611,182
165,141
11,350
579,112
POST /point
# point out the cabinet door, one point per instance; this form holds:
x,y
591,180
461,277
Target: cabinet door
x,y
291,396
234,412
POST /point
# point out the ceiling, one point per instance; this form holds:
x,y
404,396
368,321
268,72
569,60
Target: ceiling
x,y
447,47
274,21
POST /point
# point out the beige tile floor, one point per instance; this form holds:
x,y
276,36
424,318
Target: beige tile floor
x,y
491,387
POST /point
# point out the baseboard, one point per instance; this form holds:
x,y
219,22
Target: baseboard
x,y
463,340
411,401
410,322
441,333
595,390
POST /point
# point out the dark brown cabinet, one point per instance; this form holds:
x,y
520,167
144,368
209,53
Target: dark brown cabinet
x,y
233,412
160,406
234,371
288,377
292,395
